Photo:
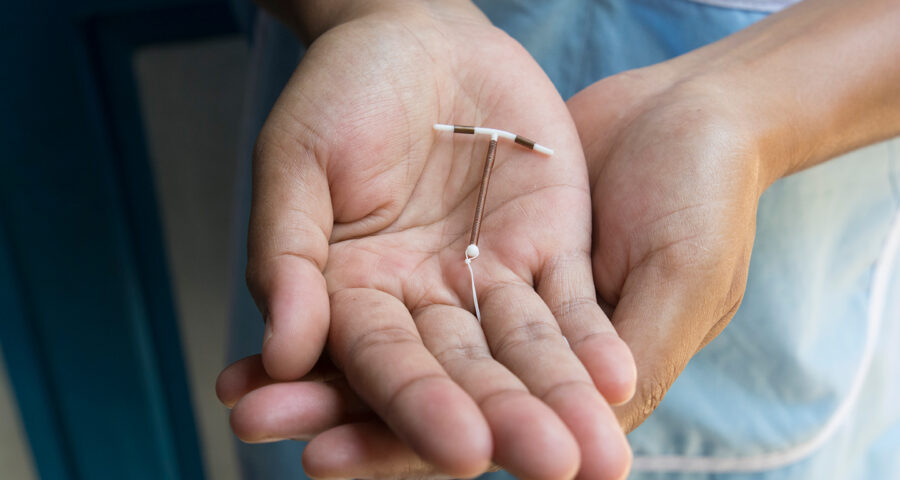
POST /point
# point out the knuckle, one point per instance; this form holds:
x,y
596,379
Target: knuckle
x,y
574,307
735,294
530,332
650,394
565,388
380,336
583,307
392,403
722,321
593,340
502,395
464,353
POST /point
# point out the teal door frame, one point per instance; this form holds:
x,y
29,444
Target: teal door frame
x,y
87,322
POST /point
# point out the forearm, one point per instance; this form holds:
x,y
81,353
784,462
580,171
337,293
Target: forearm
x,y
311,18
818,79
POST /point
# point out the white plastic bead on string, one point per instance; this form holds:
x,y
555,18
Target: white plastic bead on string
x,y
472,251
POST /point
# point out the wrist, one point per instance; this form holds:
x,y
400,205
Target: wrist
x,y
814,81
711,107
769,124
310,19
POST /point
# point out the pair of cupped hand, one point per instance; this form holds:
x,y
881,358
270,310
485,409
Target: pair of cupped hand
x,y
632,243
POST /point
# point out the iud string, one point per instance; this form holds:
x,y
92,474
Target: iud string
x,y
472,250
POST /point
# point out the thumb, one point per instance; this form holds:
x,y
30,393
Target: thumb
x,y
290,223
666,315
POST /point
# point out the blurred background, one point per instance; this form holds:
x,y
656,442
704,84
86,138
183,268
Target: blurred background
x,y
120,127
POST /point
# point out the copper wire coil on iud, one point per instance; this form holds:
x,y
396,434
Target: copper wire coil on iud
x,y
482,191
472,251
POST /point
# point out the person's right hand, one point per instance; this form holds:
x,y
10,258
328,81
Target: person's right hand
x,y
361,213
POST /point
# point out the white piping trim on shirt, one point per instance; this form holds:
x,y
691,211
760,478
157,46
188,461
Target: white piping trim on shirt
x,y
769,461
768,6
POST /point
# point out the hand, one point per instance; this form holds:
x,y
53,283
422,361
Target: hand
x,y
357,200
680,152
676,180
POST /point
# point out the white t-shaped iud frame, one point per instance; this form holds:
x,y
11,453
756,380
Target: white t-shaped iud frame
x,y
472,250
495,132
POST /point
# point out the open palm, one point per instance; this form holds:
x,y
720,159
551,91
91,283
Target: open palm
x,y
361,214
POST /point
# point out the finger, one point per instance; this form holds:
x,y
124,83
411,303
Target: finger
x,y
294,410
664,321
530,441
248,374
240,378
363,450
524,336
567,287
374,341
287,248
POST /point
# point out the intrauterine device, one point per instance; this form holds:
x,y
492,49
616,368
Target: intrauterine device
x,y
472,250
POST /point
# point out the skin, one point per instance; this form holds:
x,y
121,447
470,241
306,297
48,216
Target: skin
x,y
678,155
358,228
